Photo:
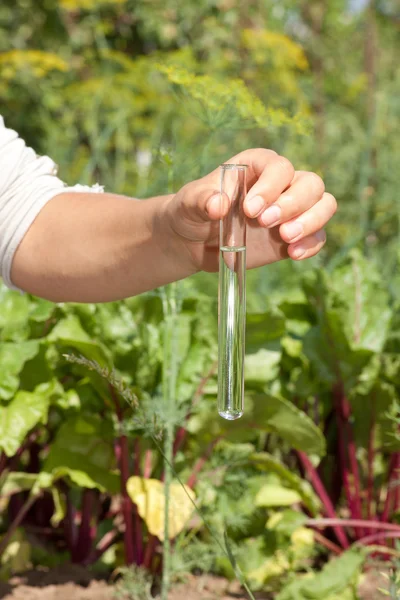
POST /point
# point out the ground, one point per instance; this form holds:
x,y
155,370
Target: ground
x,y
75,583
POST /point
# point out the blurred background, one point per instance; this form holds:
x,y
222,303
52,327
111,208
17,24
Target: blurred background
x,y
142,96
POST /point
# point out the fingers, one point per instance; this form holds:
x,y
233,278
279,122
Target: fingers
x,y
305,191
268,175
276,176
201,200
310,221
308,246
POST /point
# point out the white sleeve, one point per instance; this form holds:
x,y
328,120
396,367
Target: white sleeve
x,y
27,183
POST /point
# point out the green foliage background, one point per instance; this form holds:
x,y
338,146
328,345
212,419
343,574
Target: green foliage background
x,y
117,91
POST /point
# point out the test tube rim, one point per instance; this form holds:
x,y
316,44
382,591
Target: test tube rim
x,y
233,166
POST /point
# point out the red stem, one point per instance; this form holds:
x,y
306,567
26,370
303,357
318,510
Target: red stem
x,y
180,437
181,433
3,462
137,519
191,482
371,456
346,440
324,497
70,529
152,541
389,492
148,467
87,533
127,506
396,484
103,545
358,523
126,502
149,552
376,537
327,543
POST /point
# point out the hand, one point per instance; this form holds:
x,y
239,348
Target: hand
x,y
286,212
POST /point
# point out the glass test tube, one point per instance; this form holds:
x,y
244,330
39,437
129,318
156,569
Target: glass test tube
x,y
232,294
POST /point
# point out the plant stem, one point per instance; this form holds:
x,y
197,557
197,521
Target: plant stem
x,y
149,552
17,521
181,434
389,493
122,453
371,455
170,374
70,529
323,496
3,462
127,506
346,441
396,484
376,537
147,464
138,522
352,523
321,539
103,545
82,548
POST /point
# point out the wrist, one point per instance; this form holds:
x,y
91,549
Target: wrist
x,y
171,245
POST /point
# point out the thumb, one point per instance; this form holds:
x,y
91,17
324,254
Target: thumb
x,y
202,202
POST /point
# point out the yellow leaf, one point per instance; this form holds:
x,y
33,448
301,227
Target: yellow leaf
x,y
148,495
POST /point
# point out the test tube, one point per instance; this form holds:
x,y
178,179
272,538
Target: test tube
x,y
232,294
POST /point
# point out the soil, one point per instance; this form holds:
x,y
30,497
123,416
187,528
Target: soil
x,y
71,582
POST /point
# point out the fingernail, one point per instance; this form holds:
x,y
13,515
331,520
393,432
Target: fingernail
x,y
214,203
254,205
298,252
293,230
271,216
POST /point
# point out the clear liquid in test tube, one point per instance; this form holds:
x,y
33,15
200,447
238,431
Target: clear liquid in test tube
x,y
232,294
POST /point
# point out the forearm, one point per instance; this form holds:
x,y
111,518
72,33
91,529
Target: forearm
x,y
86,247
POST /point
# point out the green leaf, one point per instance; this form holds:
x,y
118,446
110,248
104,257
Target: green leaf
x,y
14,314
262,366
350,329
277,415
41,310
70,334
286,521
330,355
16,482
22,414
37,370
13,356
261,561
364,302
83,452
333,580
266,462
273,494
263,328
336,575
262,412
16,556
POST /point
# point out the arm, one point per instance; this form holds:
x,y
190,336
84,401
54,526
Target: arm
x,y
100,247
86,247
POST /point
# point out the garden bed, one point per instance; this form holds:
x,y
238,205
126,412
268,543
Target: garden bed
x,y
74,582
